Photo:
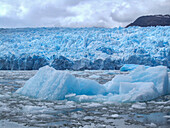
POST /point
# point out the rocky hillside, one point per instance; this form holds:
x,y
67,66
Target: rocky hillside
x,y
152,20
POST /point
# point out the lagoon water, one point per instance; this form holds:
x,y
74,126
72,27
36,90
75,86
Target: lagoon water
x,y
22,112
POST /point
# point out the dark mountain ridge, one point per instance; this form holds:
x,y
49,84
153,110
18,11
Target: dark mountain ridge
x,y
151,20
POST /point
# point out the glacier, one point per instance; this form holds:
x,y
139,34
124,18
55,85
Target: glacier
x,y
141,84
83,48
130,67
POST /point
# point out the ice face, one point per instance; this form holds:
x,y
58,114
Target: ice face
x,y
48,84
83,48
138,91
113,85
130,67
139,85
158,75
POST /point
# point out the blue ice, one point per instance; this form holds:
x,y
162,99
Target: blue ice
x,y
141,84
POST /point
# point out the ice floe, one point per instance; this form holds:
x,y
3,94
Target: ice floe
x,y
139,85
51,84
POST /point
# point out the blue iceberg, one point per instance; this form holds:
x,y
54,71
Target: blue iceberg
x,y
139,85
51,84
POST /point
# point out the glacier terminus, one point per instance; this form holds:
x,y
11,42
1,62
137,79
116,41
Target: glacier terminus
x,y
83,48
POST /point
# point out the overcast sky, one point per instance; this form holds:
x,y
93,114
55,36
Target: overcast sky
x,y
77,13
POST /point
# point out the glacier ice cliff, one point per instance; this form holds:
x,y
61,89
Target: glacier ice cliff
x,y
83,48
139,85
130,67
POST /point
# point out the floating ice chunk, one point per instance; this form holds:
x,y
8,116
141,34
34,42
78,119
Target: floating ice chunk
x,y
93,105
152,125
158,75
9,124
167,107
1,96
51,84
115,115
130,67
140,85
33,109
89,118
94,76
139,105
167,116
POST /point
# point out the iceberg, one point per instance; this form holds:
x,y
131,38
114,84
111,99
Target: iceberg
x,y
141,81
141,84
158,75
50,84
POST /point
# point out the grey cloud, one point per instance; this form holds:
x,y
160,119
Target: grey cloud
x,y
138,8
48,11
11,22
78,13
